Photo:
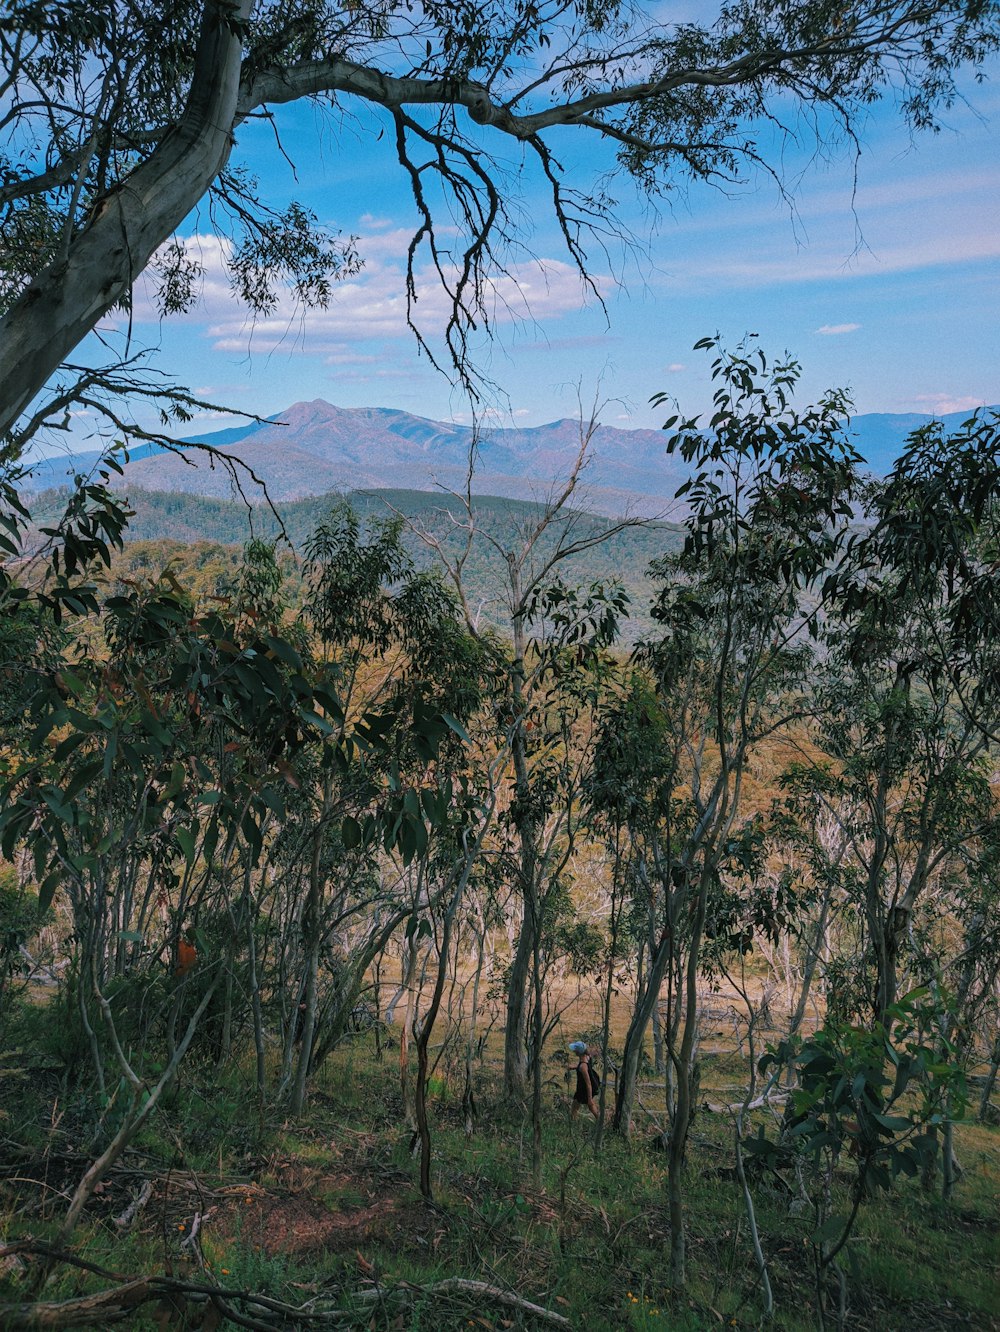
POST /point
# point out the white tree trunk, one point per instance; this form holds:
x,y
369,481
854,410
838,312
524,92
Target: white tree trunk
x,y
65,302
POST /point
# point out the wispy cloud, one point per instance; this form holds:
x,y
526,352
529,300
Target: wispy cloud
x,y
942,404
582,342
833,330
971,240
345,355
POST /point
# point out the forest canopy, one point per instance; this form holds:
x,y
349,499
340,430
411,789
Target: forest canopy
x,y
239,831
275,815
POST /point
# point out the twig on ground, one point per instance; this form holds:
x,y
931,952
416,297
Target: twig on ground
x,y
135,1206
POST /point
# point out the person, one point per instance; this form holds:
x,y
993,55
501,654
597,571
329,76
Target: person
x,y
587,1082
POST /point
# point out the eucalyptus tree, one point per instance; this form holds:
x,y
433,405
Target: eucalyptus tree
x,y
141,791
769,501
120,118
914,684
394,654
547,684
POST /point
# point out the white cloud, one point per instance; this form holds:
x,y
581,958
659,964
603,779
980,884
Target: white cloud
x,y
942,404
972,239
675,368
831,330
370,306
392,244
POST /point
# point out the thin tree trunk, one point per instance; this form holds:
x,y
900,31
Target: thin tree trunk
x,y
426,1026
680,1126
814,951
468,1094
258,1021
139,1112
537,1024
646,1002
515,1050
226,1028
312,931
405,1085
991,1080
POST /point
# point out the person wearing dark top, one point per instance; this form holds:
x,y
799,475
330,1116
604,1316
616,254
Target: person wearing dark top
x,y
587,1086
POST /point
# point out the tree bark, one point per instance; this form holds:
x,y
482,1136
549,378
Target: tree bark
x,y
65,301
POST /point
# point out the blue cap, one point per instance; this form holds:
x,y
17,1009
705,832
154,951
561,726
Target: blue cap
x,y
578,1047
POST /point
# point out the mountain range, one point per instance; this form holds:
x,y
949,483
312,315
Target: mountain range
x,y
313,448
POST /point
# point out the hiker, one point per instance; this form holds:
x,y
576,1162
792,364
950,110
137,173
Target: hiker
x,y
588,1084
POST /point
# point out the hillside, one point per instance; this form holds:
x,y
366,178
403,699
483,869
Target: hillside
x,y
312,448
181,519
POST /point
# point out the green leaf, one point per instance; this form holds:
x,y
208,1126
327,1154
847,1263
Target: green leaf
x,y
285,652
177,774
184,838
894,1123
85,775
47,890
455,725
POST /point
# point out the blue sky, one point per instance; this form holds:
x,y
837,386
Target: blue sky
x,y
891,290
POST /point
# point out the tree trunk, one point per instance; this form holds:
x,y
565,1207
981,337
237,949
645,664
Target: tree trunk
x,y
65,302
515,1063
405,1086
683,1061
515,1044
426,1025
468,1094
144,1102
635,1036
258,1021
991,1080
311,929
226,1024
537,1022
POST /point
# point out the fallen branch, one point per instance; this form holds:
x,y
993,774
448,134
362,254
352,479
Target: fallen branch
x,y
479,1289
117,1303
482,1291
100,1309
135,1207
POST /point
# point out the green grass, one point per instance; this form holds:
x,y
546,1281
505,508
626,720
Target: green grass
x,y
330,1204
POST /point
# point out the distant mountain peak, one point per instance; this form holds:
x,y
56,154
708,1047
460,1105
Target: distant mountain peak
x,y
313,447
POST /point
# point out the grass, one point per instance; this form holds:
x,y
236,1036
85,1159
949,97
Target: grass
x,y
328,1208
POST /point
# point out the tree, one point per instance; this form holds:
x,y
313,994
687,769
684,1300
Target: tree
x,y
120,118
551,676
392,645
915,678
142,790
770,502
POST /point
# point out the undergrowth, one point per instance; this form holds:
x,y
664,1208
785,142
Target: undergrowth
x,y
327,1209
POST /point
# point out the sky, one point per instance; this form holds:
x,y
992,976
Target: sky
x,y
881,277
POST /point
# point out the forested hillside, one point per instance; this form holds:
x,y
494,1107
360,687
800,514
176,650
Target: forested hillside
x,y
317,891
174,527
429,911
